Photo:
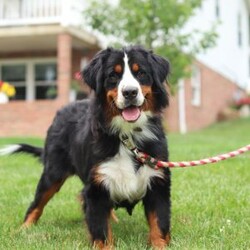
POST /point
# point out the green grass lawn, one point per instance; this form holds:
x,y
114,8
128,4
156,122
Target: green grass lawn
x,y
210,204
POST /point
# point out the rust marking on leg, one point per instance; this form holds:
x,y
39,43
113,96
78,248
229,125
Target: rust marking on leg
x,y
156,239
33,217
108,243
114,217
98,244
36,213
110,236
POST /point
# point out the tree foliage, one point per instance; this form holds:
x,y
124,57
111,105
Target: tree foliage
x,y
155,24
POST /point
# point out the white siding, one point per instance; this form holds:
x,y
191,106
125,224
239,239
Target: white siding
x,y
227,58
26,12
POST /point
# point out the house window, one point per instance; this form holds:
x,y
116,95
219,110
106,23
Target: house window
x,y
34,79
217,9
15,75
196,86
239,30
45,81
249,66
249,29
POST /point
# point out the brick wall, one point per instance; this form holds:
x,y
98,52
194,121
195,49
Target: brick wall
x,y
216,94
64,66
20,118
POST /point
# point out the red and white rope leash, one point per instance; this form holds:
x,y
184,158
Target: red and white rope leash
x,y
156,164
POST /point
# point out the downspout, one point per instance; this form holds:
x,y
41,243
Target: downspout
x,y
181,106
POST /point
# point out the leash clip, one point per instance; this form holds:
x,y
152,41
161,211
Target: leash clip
x,y
128,142
150,161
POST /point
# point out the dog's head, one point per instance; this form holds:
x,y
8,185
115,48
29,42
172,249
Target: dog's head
x,y
129,82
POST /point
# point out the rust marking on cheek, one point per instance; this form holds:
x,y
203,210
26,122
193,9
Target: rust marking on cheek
x,y
135,67
149,99
146,90
111,108
112,95
155,236
118,68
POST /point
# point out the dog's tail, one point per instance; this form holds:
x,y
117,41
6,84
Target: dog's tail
x,y
21,148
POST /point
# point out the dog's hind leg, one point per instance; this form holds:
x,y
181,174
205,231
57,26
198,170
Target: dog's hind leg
x,y
49,184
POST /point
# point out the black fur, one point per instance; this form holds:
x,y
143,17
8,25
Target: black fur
x,y
80,139
25,148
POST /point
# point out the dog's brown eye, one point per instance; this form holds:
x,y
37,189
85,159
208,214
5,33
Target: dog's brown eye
x,y
113,79
141,74
112,75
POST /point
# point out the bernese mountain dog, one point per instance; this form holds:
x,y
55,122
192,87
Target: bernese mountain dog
x,y
129,94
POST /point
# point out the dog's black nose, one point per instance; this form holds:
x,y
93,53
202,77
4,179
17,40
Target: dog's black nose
x,y
130,92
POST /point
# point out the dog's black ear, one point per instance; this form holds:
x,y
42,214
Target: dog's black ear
x,y
160,67
160,70
93,73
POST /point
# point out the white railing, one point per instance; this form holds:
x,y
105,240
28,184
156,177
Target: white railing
x,y
26,12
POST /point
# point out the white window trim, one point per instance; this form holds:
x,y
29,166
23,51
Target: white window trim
x,y
239,30
196,86
30,76
217,9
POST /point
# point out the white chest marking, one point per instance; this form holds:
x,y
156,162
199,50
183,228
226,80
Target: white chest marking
x,y
123,182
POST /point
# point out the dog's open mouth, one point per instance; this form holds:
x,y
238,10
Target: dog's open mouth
x,y
131,113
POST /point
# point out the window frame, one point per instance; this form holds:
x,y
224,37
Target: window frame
x,y
30,82
196,86
217,9
239,30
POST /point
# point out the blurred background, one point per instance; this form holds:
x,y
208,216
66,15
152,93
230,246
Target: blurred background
x,y
44,44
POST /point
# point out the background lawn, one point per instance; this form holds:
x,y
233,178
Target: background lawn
x,y
210,204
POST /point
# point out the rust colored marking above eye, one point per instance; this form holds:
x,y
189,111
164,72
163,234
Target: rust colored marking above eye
x,y
135,67
118,68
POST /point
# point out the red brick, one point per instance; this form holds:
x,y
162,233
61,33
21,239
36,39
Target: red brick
x,y
64,73
216,94
20,118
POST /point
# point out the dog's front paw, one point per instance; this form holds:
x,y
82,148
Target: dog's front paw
x,y
100,245
159,243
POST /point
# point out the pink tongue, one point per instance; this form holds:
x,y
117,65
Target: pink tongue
x,y
131,114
